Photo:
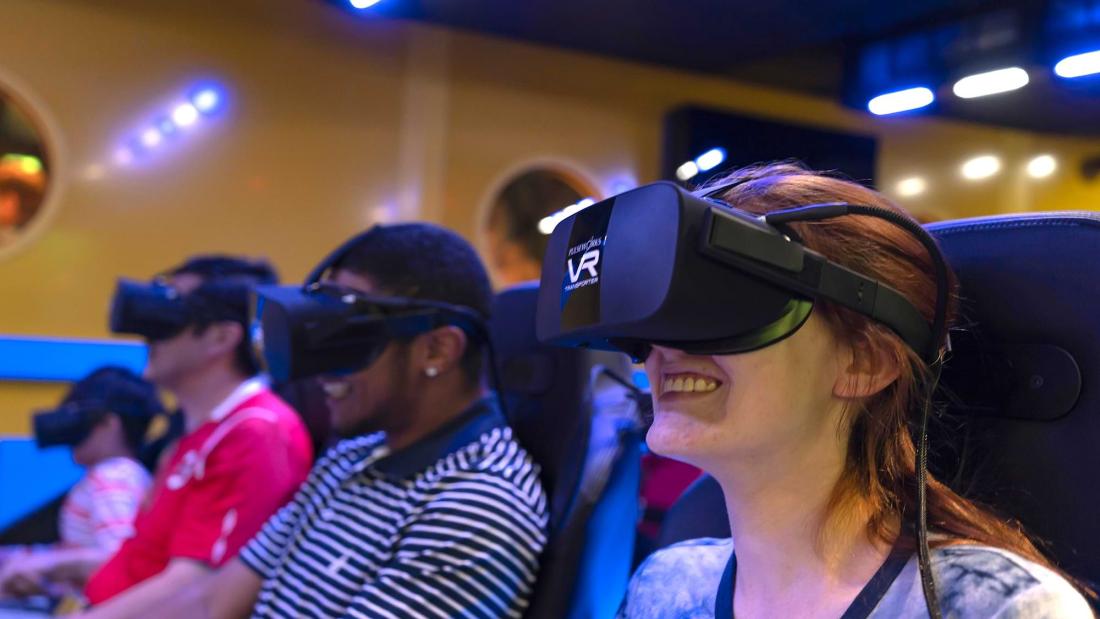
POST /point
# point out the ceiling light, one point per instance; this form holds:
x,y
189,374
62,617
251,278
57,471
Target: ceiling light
x,y
124,156
710,159
151,137
206,100
1042,166
991,83
185,115
901,101
363,4
1079,65
981,167
913,186
687,171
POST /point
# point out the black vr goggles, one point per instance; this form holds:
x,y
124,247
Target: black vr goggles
x,y
659,265
68,424
155,310
321,328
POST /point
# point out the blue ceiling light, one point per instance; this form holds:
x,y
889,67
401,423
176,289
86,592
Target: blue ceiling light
x,y
1079,65
166,126
151,137
185,115
208,99
703,163
710,159
363,4
901,101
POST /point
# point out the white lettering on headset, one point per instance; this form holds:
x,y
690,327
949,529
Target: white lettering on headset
x,y
588,262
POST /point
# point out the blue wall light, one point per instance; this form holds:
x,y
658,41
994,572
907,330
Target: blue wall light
x,y
201,101
363,4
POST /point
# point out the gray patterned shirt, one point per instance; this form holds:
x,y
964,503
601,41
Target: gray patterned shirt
x,y
973,582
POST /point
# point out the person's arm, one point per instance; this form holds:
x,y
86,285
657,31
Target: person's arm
x,y
473,552
29,573
231,592
228,593
147,598
245,479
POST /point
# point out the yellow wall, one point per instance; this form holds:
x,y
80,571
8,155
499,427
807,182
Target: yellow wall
x,y
337,121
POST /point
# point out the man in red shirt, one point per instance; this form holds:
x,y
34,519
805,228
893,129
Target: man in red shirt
x,y
244,452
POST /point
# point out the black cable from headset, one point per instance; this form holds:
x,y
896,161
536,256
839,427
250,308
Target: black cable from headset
x,y
932,357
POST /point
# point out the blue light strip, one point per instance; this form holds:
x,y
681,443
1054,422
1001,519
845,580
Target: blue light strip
x,y
55,359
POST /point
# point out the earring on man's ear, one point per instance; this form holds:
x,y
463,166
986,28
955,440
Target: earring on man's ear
x,y
431,372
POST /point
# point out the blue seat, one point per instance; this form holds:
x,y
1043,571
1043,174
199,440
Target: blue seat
x,y
1022,423
590,459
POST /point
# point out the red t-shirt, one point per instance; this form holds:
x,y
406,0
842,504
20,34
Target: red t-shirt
x,y
217,489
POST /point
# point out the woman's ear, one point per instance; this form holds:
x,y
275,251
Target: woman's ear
x,y
865,369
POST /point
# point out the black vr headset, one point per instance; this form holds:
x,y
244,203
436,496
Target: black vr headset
x,y
67,425
155,310
321,328
659,265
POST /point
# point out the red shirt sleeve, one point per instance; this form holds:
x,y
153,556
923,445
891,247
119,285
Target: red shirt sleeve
x,y
252,471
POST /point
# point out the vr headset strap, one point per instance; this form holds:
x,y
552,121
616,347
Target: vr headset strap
x,y
769,255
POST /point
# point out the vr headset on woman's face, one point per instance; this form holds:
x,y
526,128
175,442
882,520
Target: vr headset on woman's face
x,y
657,265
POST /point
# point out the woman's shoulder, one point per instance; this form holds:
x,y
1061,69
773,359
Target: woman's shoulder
x,y
1014,585
983,581
678,581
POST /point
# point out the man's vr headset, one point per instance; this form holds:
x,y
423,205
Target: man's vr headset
x,y
659,265
68,424
321,328
155,311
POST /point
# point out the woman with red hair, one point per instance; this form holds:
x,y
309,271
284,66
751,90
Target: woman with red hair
x,y
809,438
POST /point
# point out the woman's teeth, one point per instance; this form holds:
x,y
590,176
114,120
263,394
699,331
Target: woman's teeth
x,y
336,391
689,384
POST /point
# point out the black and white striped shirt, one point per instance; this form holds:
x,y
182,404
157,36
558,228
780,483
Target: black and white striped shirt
x,y
450,526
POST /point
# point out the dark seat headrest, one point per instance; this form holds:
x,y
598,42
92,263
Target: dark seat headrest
x,y
1023,380
544,389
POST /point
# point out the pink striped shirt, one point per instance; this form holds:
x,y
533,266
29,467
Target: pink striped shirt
x,y
99,511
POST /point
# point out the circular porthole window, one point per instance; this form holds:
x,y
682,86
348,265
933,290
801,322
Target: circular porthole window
x,y
515,240
26,171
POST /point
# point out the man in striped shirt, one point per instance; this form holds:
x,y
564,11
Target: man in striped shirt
x,y
430,508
